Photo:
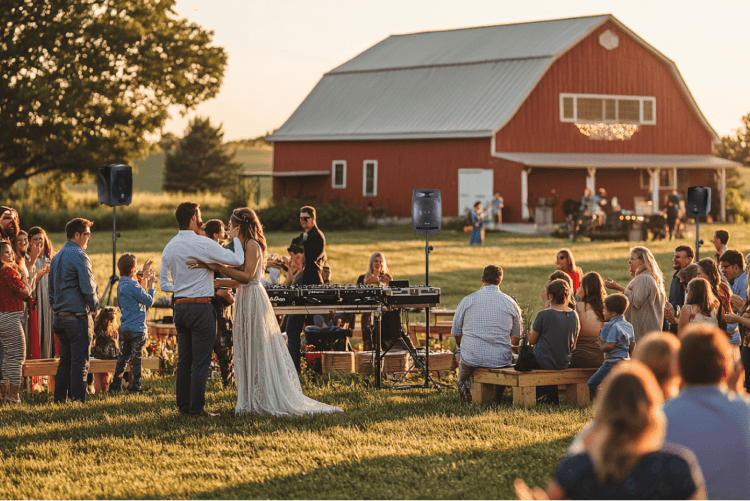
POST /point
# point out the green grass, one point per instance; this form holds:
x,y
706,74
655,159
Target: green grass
x,y
387,444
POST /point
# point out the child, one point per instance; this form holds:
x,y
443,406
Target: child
x,y
134,301
617,335
104,344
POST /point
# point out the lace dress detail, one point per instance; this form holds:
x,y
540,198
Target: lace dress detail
x,y
267,382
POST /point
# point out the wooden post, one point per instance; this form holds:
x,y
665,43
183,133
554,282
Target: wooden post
x,y
577,394
524,395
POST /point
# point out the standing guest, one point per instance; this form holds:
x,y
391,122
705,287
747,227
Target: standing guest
x,y
483,324
743,322
314,248
590,309
477,225
9,223
683,256
377,274
586,202
709,269
565,262
617,336
497,205
732,267
700,305
708,418
645,293
135,298
41,247
104,346
12,292
73,295
625,460
720,241
554,335
194,316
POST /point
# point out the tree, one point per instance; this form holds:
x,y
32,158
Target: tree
x,y
84,82
201,161
736,147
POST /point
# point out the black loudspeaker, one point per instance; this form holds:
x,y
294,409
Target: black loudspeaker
x,y
699,201
426,212
115,185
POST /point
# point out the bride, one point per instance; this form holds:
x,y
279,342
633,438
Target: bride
x,y
267,382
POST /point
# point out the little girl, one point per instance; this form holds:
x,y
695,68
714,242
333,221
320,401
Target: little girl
x,y
700,305
104,345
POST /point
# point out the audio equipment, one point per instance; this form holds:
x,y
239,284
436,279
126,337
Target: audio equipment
x,y
426,212
351,295
699,201
115,185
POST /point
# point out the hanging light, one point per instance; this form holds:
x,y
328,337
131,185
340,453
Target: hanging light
x,y
608,132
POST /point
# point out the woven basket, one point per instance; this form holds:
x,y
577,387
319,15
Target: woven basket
x,y
340,361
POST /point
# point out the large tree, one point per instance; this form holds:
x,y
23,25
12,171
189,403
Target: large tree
x,y
84,82
201,161
736,147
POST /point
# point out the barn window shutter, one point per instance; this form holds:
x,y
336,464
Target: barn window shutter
x,y
338,174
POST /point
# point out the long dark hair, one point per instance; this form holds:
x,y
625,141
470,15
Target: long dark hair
x,y
250,227
593,293
12,264
699,293
48,250
20,257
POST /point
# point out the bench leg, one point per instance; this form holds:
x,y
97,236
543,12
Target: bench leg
x,y
481,392
577,394
524,395
51,384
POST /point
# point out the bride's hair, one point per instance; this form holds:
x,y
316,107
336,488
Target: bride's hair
x,y
250,227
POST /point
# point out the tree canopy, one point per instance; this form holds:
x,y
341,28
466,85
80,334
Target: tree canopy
x,y
83,82
736,147
201,161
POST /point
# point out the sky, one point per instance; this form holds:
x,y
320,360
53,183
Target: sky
x,y
279,49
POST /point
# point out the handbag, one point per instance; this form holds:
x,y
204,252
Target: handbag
x,y
526,359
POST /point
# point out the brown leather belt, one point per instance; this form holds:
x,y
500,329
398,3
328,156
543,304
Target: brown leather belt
x,y
192,300
70,314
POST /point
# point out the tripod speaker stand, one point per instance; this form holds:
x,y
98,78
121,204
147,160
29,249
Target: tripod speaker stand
x,y
114,187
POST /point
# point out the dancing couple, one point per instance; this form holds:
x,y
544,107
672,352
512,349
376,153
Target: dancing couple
x,y
267,381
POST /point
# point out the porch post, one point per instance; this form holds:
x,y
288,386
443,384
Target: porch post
x,y
655,190
591,180
525,194
723,199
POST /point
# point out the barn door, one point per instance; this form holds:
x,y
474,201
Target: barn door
x,y
474,185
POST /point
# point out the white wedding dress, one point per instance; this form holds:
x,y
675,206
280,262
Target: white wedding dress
x,y
267,382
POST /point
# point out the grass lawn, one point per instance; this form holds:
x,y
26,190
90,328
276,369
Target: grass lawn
x,y
387,444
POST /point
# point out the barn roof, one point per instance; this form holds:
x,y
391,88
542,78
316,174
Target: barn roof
x,y
442,84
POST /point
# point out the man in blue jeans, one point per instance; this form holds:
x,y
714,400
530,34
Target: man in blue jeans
x,y
134,302
73,297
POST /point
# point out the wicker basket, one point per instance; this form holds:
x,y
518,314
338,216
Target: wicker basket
x,y
340,361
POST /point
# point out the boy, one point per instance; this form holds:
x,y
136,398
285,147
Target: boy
x,y
134,301
618,337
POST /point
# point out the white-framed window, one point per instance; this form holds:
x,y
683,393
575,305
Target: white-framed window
x,y
370,178
667,179
338,174
604,108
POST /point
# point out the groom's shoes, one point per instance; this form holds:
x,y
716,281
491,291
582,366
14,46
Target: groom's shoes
x,y
205,414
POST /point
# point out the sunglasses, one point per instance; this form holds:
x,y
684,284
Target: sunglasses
x,y
305,218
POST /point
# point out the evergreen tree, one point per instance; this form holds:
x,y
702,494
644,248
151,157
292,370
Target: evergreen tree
x,y
200,162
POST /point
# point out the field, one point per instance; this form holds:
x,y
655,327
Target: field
x,y
386,444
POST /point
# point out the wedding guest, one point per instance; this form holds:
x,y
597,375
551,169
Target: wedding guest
x,y
565,262
590,309
709,269
732,267
720,241
477,225
104,345
377,274
554,276
682,257
9,223
12,292
645,293
617,339
700,306
41,253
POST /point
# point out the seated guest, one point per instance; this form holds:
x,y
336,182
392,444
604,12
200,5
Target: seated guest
x,y
617,337
326,274
708,418
625,460
482,325
565,262
557,275
590,309
554,335
296,264
377,274
700,305
104,345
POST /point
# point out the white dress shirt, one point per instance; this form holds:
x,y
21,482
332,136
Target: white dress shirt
x,y
198,282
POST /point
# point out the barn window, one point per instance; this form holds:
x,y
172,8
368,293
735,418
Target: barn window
x,y
608,109
667,178
338,174
370,178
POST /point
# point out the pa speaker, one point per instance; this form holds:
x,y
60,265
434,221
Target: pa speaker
x,y
426,212
699,201
115,185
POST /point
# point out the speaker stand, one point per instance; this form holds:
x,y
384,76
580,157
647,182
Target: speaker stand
x,y
114,278
698,240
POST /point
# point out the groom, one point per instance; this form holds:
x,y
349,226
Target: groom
x,y
194,316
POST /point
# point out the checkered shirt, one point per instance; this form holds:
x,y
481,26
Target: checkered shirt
x,y
486,319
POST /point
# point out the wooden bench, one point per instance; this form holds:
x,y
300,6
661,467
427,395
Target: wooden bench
x,y
524,384
48,367
437,330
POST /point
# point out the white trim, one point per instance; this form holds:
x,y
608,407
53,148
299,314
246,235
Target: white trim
x,y
374,179
333,175
655,178
603,98
525,195
723,199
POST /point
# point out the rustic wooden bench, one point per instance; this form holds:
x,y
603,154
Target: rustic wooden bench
x,y
524,384
48,367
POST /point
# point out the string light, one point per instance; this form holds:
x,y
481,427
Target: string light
x,y
608,132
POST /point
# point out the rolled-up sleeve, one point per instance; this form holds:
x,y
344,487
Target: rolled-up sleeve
x,y
165,277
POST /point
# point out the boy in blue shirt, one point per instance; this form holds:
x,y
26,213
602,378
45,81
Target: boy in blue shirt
x,y
134,302
618,337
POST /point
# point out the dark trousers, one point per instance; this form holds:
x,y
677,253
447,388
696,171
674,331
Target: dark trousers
x,y
74,336
196,333
294,326
745,357
131,349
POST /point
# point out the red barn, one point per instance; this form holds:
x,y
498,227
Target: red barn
x,y
533,110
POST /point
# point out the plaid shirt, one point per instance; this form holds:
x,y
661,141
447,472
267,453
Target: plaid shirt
x,y
486,319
